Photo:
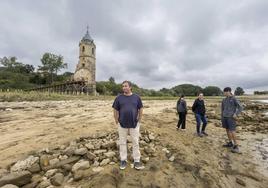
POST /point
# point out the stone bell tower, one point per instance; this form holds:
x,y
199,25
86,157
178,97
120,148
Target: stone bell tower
x,y
86,67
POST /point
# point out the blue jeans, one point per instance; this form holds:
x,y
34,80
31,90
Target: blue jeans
x,y
200,118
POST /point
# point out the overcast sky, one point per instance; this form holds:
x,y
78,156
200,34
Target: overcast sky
x,y
152,43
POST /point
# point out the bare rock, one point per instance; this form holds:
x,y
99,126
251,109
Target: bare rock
x,y
44,161
9,186
80,165
44,184
105,162
16,178
172,158
51,173
54,161
80,151
57,179
89,146
240,181
3,172
97,169
26,164
109,145
91,156
109,154
101,151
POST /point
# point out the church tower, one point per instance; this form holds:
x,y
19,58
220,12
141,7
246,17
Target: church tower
x,y
86,67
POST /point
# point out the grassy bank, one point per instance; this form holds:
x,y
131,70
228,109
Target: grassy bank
x,y
18,96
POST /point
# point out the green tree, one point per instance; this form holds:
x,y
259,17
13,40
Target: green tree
x,y
111,79
239,91
51,64
212,91
11,64
187,89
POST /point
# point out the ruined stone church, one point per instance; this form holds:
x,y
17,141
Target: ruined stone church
x,y
86,67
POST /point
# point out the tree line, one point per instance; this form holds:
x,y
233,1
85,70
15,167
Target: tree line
x,y
110,87
17,75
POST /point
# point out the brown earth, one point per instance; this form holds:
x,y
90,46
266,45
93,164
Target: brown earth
x,y
26,127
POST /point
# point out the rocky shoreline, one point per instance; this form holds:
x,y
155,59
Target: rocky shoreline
x,y
80,159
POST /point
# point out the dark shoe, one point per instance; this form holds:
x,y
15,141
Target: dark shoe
x,y
228,145
235,149
138,165
123,165
204,133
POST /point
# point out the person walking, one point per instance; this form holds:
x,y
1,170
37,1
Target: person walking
x,y
199,110
230,109
182,111
128,110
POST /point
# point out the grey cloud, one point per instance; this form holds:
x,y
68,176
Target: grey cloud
x,y
154,43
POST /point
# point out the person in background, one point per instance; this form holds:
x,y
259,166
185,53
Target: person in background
x,y
199,110
182,111
230,109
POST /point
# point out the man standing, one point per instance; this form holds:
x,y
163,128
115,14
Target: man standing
x,y
230,109
127,114
199,110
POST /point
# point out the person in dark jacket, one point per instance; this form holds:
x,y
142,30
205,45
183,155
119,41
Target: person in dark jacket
x,y
182,111
230,109
199,110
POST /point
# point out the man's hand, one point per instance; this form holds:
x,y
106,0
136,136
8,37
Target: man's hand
x,y
116,116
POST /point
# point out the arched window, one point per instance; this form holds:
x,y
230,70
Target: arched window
x,y
93,51
83,48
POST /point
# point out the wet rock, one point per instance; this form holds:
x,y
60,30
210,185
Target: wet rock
x,y
57,179
80,165
16,178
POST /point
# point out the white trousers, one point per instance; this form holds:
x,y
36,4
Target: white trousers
x,y
134,134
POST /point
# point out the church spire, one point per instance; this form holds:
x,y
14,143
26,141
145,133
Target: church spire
x,y
87,36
